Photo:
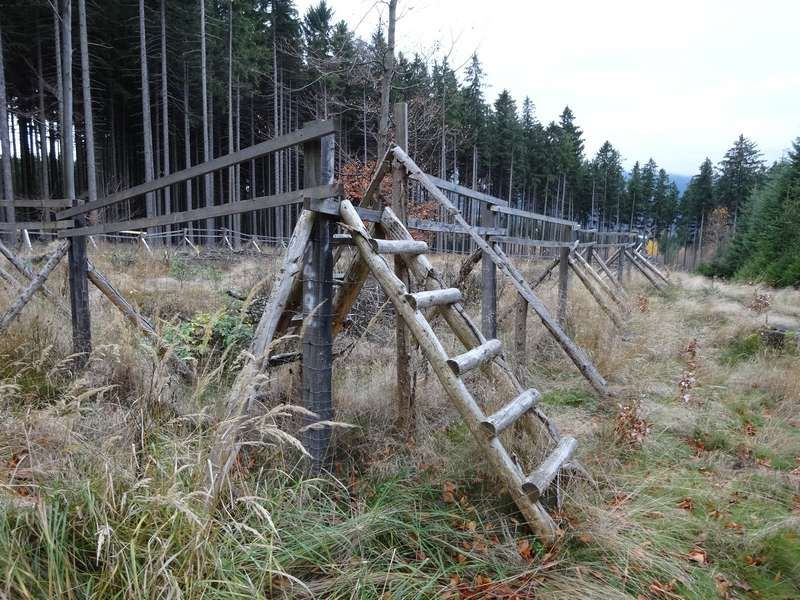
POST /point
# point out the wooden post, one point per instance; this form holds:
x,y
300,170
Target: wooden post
x,y
563,280
521,331
78,279
318,308
489,279
621,266
405,382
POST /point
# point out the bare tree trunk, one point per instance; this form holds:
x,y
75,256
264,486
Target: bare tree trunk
x,y
386,82
187,134
209,183
42,126
5,147
148,131
165,110
234,219
91,165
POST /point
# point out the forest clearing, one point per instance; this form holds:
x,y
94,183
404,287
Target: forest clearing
x,y
290,309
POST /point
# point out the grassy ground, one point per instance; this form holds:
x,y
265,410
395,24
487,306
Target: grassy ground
x,y
696,461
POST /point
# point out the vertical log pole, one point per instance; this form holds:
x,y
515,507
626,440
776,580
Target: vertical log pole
x,y
405,383
621,266
317,308
489,282
78,278
521,331
563,279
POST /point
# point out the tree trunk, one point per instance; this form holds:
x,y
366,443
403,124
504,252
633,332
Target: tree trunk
x,y
165,110
234,221
148,131
187,135
91,165
209,183
386,82
5,147
42,127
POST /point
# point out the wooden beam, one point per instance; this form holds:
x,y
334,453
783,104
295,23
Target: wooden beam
x,y
295,197
30,275
311,131
535,216
16,307
43,203
468,192
37,225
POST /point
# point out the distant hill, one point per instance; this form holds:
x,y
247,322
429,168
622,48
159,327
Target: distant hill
x,y
682,181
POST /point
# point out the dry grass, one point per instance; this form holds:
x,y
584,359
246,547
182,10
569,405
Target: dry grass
x,y
96,498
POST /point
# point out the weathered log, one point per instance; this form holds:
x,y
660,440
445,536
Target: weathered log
x,y
24,270
435,353
399,246
475,358
37,282
428,299
643,270
508,415
537,482
587,283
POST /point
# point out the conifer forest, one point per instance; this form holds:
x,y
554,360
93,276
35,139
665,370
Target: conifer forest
x,y
295,307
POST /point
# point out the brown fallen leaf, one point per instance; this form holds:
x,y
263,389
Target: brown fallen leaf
x,y
686,504
698,555
723,586
524,549
448,492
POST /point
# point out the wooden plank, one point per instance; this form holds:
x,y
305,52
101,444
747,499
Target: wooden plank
x,y
295,197
468,192
534,243
16,307
311,131
535,216
37,225
429,225
42,203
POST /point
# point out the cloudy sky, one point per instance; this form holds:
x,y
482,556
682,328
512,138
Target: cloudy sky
x,y
676,80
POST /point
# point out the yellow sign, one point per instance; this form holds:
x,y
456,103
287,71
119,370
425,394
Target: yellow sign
x,y
651,247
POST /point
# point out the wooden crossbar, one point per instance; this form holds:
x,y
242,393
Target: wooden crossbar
x,y
311,131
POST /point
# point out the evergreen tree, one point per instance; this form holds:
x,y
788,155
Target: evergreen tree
x,y
739,173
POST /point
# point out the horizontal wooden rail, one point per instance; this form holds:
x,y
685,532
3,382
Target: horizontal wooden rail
x,y
540,243
465,191
235,208
36,225
516,212
42,203
311,131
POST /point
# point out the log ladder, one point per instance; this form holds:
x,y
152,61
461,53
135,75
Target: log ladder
x,y
525,488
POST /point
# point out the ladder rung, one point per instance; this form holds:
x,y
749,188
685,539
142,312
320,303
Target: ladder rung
x,y
399,246
422,300
506,416
475,357
538,481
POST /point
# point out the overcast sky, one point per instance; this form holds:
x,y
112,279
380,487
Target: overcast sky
x,y
676,80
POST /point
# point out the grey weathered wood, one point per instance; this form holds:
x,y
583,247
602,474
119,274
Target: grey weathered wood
x,y
30,275
474,358
455,388
643,270
42,203
226,443
620,265
497,256
529,215
528,242
295,197
428,225
510,413
311,131
563,284
427,299
467,266
465,191
611,278
546,273
16,307
399,246
488,281
37,225
317,342
590,286
608,290
652,267
521,326
537,482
